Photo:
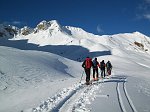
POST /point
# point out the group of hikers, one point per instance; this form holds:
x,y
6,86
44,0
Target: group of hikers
x,y
88,64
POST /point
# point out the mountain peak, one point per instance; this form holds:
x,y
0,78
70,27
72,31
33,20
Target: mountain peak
x,y
139,34
54,22
44,25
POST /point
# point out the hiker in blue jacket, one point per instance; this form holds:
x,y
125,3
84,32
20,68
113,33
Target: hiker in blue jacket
x,y
95,69
108,67
102,67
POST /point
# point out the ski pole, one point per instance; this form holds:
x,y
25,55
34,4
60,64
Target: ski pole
x,y
81,76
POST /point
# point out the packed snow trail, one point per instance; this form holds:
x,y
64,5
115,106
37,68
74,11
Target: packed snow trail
x,y
57,102
81,99
53,104
80,96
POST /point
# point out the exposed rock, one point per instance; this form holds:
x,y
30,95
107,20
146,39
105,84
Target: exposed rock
x,y
26,30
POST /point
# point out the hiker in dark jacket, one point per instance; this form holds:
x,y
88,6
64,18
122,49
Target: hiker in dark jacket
x,y
109,67
102,67
95,69
87,64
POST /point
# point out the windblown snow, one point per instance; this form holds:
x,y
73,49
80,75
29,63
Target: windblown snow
x,y
40,70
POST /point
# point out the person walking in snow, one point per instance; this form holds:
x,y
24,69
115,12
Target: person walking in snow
x,y
87,64
102,67
109,67
95,69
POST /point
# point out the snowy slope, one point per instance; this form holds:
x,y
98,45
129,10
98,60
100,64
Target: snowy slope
x,y
40,70
25,74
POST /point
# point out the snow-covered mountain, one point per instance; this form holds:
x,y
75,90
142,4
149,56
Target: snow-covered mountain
x,y
52,37
52,33
40,70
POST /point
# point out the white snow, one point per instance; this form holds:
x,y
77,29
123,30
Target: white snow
x,y
41,72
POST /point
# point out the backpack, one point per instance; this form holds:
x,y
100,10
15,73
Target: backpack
x,y
108,65
88,63
102,65
94,63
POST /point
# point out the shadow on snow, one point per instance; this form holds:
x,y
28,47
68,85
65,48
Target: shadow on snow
x,y
73,52
117,78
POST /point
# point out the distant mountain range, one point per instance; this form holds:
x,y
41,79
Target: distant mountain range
x,y
52,33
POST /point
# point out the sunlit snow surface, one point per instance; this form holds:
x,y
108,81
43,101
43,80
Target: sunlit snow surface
x,y
41,72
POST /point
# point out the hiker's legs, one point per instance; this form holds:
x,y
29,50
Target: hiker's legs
x,y
93,73
87,71
97,72
109,71
104,73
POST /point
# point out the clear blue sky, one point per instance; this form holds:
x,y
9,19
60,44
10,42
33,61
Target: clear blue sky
x,y
95,16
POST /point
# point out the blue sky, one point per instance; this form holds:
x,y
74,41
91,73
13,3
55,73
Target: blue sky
x,y
94,16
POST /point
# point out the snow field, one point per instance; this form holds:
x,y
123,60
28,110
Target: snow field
x,y
39,77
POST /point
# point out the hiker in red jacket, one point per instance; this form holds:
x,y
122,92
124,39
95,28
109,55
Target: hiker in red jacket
x,y
87,64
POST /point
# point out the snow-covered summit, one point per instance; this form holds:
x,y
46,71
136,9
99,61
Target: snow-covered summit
x,y
79,32
45,33
44,25
54,24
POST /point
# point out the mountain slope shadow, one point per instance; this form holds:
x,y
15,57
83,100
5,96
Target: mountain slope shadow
x,y
73,52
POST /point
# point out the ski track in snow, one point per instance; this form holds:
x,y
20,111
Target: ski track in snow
x,y
86,97
57,103
76,97
128,98
120,98
129,107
